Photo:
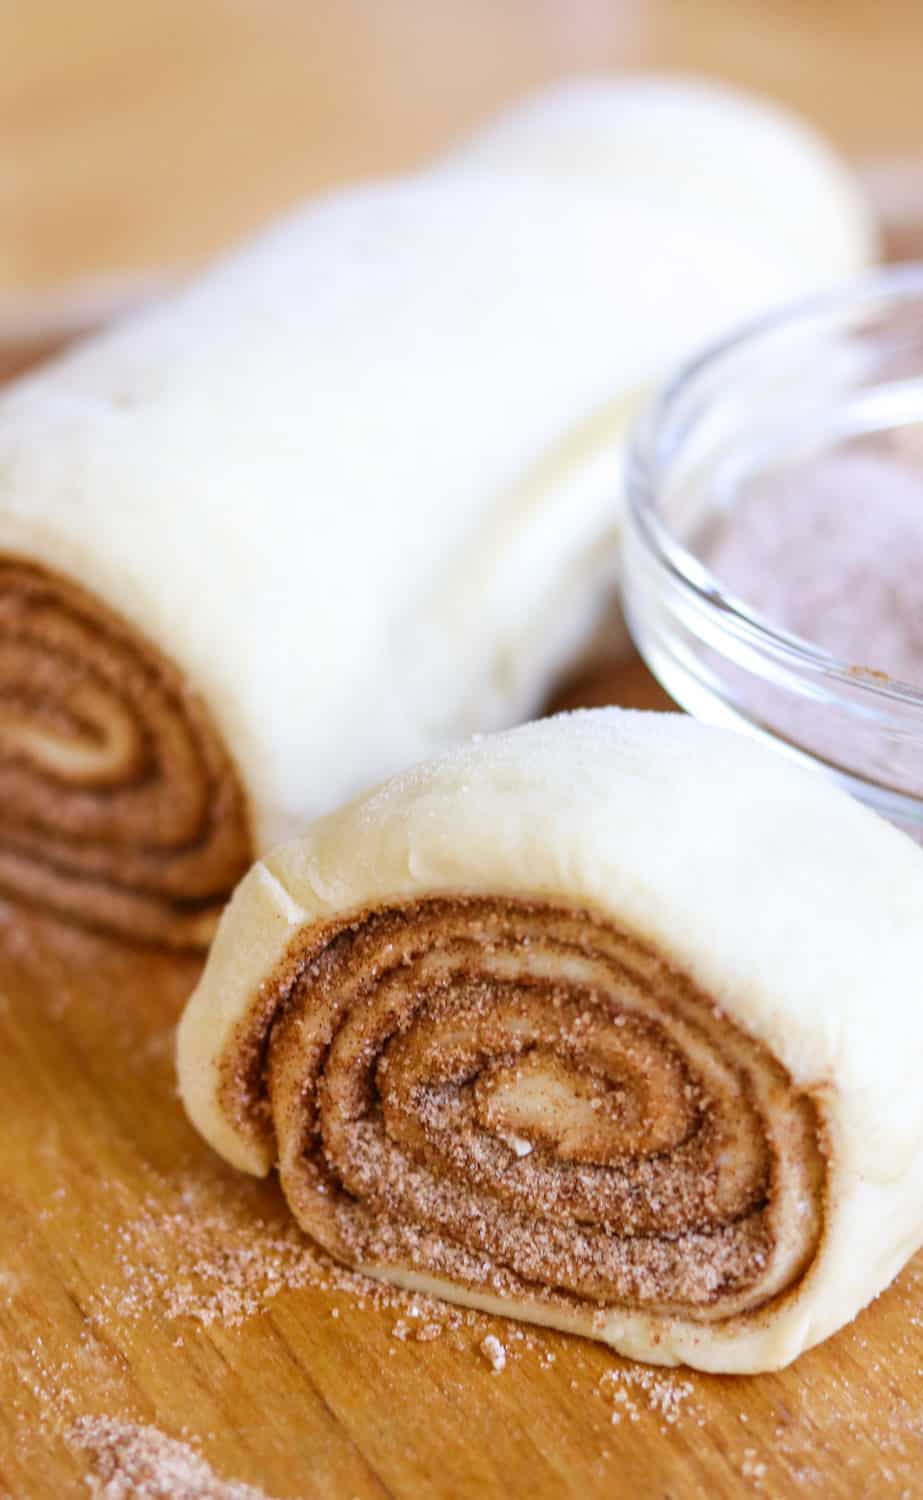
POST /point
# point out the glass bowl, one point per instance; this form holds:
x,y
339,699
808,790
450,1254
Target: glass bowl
x,y
831,378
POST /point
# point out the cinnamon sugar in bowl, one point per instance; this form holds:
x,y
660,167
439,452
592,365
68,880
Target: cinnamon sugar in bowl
x,y
774,537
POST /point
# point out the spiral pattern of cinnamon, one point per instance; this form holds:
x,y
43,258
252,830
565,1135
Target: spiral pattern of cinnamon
x,y
119,806
520,1098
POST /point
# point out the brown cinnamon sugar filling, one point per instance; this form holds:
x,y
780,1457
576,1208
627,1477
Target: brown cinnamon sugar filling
x,y
526,1100
118,804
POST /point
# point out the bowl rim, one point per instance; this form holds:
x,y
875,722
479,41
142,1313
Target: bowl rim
x,y
648,454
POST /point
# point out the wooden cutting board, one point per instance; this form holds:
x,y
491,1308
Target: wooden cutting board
x,y
149,1296
144,1282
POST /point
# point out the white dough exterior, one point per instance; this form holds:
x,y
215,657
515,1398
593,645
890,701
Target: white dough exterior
x,y
361,480
796,908
710,150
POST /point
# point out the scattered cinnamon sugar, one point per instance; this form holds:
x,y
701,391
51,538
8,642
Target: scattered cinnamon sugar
x,y
665,1394
423,1333
208,1263
132,1461
200,1254
494,1352
753,1467
428,1333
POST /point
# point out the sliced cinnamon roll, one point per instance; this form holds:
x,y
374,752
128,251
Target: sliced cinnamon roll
x,y
118,803
608,1023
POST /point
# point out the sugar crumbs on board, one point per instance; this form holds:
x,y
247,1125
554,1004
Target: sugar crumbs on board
x,y
494,1352
192,1255
668,1396
197,1257
135,1461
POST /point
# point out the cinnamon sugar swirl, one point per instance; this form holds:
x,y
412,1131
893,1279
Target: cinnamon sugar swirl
x,y
603,1023
118,804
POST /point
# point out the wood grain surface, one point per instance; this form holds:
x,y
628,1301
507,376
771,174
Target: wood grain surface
x,y
141,1281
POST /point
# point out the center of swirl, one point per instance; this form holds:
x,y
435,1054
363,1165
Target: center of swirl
x,y
574,1112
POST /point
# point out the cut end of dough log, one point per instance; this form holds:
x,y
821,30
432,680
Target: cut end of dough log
x,y
119,807
674,1167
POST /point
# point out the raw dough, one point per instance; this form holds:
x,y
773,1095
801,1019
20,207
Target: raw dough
x,y
610,1022
358,485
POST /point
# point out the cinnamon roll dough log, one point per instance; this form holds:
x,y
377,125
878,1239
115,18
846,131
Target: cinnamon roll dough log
x,y
611,1022
349,497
